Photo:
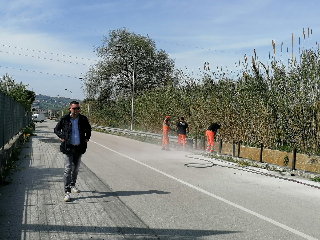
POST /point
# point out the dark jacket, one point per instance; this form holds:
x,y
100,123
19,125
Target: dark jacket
x,y
214,127
182,127
63,130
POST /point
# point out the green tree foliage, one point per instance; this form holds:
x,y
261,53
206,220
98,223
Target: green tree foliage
x,y
126,56
17,91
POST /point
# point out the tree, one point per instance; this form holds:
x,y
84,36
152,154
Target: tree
x,y
129,62
17,92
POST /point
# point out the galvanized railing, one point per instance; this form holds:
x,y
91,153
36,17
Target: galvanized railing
x,y
189,141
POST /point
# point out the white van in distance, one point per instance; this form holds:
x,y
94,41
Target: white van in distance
x,y
38,117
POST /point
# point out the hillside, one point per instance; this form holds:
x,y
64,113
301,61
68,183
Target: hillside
x,y
43,102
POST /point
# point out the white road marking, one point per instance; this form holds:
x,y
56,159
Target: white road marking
x,y
215,196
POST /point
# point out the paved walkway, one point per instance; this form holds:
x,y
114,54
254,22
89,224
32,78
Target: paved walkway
x,y
32,206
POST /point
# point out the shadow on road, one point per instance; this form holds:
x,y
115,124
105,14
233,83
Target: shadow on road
x,y
133,232
120,193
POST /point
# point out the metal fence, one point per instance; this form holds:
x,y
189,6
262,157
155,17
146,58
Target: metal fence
x,y
12,118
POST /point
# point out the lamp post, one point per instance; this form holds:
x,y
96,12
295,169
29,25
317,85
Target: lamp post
x,y
132,97
88,103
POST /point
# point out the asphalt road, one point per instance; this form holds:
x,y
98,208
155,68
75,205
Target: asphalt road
x,y
180,197
134,190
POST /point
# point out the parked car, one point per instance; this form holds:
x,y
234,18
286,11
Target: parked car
x,y
38,117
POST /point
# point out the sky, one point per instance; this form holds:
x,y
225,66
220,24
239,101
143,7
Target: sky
x,y
48,45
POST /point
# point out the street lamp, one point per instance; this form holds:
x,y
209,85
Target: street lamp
x,y
118,47
132,97
88,103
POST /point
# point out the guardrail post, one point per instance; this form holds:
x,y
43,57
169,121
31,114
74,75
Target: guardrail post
x,y
261,149
294,158
220,146
238,149
195,142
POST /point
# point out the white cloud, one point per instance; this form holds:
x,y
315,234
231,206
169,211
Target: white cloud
x,y
40,46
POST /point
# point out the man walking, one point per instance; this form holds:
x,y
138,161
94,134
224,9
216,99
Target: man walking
x,y
74,131
211,131
183,128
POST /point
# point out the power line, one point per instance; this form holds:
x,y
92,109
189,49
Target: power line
x,y
33,71
57,54
207,49
61,61
91,29
73,26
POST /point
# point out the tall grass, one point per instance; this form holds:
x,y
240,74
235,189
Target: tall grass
x,y
276,105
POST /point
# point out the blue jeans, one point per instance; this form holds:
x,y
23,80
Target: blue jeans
x,y
72,162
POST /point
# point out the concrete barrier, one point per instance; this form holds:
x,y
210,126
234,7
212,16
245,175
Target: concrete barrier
x,y
6,153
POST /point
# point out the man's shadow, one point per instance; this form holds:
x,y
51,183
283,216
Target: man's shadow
x,y
116,194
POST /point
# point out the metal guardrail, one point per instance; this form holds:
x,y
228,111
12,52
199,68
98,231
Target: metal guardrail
x,y
189,141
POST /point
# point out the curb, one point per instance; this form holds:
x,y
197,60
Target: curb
x,y
263,166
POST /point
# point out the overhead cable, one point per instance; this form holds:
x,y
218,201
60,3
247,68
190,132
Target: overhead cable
x,y
33,71
62,61
57,54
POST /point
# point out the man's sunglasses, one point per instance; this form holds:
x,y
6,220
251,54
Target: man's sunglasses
x,y
76,108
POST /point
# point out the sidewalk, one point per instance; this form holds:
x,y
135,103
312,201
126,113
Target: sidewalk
x,y
32,206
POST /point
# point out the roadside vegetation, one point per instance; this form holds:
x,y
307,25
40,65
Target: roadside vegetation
x,y
274,103
19,93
